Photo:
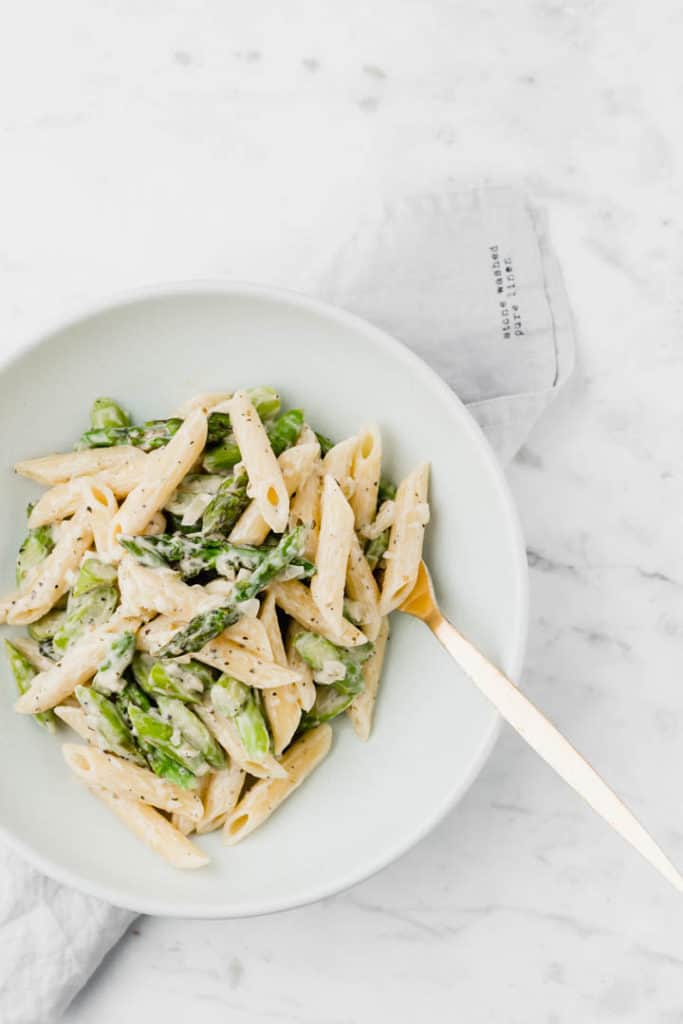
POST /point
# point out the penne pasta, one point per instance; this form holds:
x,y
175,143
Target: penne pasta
x,y
338,463
99,501
56,469
296,465
405,542
162,591
295,599
154,830
219,798
362,588
206,402
225,731
266,796
155,526
332,556
65,499
271,630
77,720
276,538
171,464
365,473
266,485
244,665
362,707
383,521
50,580
246,632
77,666
305,687
127,780
305,508
32,651
251,633
281,703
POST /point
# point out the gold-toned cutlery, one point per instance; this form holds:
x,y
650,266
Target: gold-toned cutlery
x,y
541,735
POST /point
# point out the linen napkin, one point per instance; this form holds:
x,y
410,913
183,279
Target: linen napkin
x,y
468,281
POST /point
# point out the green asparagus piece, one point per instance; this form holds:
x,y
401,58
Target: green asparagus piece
x,y
229,695
376,548
282,433
109,676
200,630
206,626
154,433
329,702
23,671
47,649
93,573
185,682
193,495
195,553
192,729
222,458
325,443
92,601
161,764
145,551
151,730
174,524
34,549
266,401
106,412
92,608
105,718
285,430
132,694
386,490
151,435
168,768
218,427
319,653
228,505
47,626
237,701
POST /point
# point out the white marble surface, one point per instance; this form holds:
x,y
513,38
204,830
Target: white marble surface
x,y
148,140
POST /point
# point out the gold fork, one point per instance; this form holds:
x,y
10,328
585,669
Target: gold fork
x,y
534,727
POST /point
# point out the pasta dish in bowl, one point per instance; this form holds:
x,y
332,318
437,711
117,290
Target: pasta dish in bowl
x,y
202,597
200,616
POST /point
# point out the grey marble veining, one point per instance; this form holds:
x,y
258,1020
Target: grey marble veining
x,y
150,141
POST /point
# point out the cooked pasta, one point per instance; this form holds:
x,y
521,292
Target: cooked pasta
x,y
362,707
365,472
50,579
266,796
114,463
203,595
296,465
283,709
332,556
405,541
219,798
154,829
98,768
266,485
174,463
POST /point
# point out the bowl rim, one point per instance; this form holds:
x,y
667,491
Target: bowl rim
x,y
77,313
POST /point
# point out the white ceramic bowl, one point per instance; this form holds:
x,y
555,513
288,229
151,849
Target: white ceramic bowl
x,y
368,803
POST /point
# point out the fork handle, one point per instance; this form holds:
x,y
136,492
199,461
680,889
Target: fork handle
x,y
544,738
